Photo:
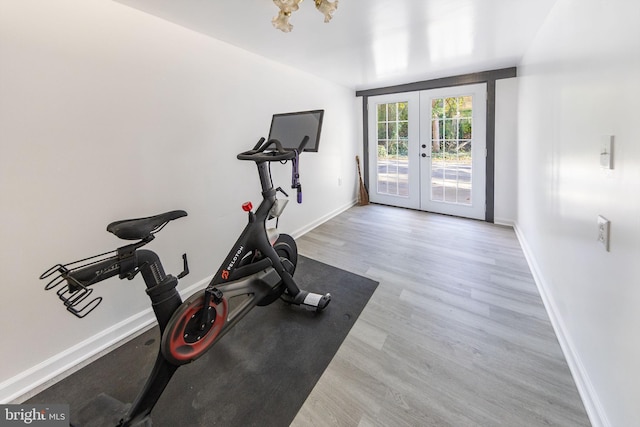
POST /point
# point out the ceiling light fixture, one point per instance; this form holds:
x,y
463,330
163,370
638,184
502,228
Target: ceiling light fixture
x,y
281,21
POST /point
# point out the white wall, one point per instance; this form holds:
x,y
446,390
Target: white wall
x,y
506,152
578,82
108,113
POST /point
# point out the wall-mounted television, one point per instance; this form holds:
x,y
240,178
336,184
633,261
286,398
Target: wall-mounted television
x,y
290,128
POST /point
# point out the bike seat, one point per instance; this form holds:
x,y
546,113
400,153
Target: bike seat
x,y
139,228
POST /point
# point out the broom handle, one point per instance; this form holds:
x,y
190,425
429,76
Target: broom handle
x,y
364,196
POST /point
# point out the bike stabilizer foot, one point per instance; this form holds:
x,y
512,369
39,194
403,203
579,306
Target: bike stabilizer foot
x,y
309,299
320,302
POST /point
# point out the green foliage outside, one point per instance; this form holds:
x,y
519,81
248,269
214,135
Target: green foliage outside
x,y
451,128
395,149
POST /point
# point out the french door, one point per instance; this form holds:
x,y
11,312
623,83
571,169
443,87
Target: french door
x,y
427,150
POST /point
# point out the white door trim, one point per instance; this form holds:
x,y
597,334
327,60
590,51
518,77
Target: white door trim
x,y
412,198
476,209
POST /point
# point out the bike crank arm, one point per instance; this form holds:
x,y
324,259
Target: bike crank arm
x,y
210,294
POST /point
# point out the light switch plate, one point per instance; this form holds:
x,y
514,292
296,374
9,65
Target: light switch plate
x,y
606,152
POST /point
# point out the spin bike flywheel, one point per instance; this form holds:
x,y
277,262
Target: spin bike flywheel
x,y
287,250
183,340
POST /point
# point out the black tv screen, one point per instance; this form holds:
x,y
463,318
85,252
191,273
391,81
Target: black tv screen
x,y
291,128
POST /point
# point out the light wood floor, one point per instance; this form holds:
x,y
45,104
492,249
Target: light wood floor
x,y
455,335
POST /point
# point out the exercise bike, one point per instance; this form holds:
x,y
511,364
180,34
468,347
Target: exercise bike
x,y
257,271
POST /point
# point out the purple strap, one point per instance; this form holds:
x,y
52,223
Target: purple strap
x,y
295,176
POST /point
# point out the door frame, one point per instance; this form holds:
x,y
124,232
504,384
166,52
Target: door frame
x,y
488,77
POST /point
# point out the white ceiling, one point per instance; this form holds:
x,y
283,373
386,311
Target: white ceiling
x,y
370,43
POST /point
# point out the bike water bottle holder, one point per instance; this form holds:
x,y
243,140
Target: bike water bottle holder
x,y
73,280
74,292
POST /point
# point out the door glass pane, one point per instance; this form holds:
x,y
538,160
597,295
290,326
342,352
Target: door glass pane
x,y
437,172
393,148
451,138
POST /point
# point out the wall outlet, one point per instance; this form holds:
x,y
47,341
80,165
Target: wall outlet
x,y
604,226
339,181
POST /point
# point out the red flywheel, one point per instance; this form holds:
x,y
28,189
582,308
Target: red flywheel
x,y
184,340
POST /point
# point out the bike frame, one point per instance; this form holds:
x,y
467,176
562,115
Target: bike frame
x,y
254,281
255,237
253,269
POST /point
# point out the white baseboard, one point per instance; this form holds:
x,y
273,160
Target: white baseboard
x,y
30,382
504,221
590,399
301,231
41,376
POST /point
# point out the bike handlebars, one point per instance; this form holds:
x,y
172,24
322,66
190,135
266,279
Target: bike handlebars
x,y
259,153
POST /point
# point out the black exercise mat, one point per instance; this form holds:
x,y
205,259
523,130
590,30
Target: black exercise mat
x,y
259,374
